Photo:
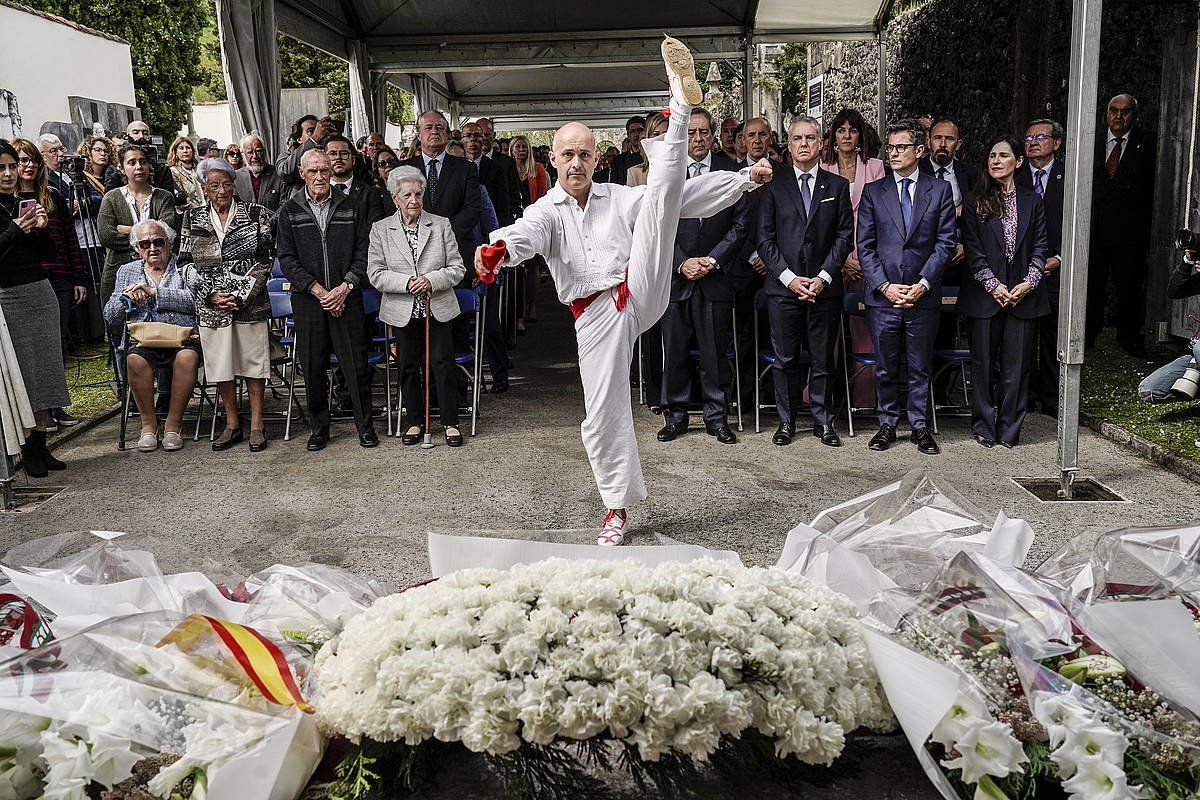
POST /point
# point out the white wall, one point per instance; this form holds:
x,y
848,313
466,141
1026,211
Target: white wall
x,y
212,121
44,62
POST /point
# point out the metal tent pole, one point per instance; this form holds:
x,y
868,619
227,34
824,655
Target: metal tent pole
x,y
1083,85
882,88
748,80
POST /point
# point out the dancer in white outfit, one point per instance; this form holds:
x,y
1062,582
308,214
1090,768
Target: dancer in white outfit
x,y
610,250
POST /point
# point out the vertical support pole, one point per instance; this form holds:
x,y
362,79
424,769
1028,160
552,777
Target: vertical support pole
x,y
1083,85
882,87
748,79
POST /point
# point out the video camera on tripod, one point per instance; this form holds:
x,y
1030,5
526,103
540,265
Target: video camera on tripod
x,y
1188,386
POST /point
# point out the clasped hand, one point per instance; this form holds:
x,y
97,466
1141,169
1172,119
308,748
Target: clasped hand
x,y
806,289
333,301
419,285
695,268
224,301
1007,298
902,295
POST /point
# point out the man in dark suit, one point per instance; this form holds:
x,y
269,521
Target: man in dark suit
x,y
805,232
342,159
1043,173
942,161
1122,210
701,300
258,181
906,238
495,179
635,129
508,209
451,183
503,181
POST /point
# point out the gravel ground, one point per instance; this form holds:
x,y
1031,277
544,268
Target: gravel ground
x,y
369,511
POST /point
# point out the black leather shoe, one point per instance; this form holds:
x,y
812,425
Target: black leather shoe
x,y
500,386
883,438
984,441
724,434
1008,445
783,434
368,437
670,431
925,442
412,438
827,435
454,439
318,440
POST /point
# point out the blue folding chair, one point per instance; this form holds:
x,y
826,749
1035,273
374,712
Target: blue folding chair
x,y
853,305
946,359
471,301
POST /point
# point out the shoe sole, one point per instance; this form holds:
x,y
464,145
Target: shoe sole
x,y
680,63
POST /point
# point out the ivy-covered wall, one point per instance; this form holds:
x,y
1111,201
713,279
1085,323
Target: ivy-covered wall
x,y
996,65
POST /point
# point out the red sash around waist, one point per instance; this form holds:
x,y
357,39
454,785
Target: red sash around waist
x,y
620,294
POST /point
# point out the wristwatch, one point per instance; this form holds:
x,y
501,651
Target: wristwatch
x,y
712,262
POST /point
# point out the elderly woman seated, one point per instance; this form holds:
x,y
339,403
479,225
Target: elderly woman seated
x,y
415,262
151,288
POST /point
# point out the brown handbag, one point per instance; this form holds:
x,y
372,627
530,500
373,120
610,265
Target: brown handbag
x,y
160,335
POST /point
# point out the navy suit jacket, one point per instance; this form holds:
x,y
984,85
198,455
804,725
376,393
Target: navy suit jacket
x,y
983,243
889,255
1053,204
720,236
806,244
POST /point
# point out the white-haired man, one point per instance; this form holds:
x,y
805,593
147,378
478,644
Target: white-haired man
x,y
610,250
258,181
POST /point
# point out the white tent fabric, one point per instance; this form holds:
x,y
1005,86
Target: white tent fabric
x,y
250,55
363,118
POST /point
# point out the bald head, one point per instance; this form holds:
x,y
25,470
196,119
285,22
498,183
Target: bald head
x,y
574,156
1120,114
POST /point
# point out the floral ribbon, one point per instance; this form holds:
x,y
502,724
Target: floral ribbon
x,y
16,614
260,658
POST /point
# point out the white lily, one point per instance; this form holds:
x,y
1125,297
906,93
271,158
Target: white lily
x,y
987,749
966,713
1094,741
1097,779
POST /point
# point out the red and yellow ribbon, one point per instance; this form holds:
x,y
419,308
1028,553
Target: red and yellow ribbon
x,y
259,658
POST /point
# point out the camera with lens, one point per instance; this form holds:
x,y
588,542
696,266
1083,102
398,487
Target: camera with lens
x,y
1187,240
1188,386
72,164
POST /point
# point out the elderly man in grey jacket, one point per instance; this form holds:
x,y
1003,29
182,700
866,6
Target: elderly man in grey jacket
x,y
415,261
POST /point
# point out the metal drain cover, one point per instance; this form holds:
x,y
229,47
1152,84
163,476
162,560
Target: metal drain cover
x,y
1084,490
31,498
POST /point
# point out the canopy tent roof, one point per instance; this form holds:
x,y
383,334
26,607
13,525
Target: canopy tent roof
x,y
537,62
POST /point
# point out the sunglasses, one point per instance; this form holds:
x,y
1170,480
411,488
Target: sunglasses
x,y
157,241
388,164
1038,137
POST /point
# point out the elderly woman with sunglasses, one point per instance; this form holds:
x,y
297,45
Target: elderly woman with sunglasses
x,y
225,253
151,288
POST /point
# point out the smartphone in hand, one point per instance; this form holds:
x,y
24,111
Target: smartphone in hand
x,y
26,207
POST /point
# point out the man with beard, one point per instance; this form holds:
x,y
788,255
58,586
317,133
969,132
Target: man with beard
x,y
257,182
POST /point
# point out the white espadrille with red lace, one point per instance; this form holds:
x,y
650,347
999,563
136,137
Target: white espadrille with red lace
x,y
612,530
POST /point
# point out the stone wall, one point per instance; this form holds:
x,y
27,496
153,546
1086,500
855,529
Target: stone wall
x,y
996,65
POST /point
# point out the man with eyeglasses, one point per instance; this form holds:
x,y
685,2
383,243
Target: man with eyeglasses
x,y
323,237
701,304
1122,211
1043,173
635,129
907,233
343,161
258,181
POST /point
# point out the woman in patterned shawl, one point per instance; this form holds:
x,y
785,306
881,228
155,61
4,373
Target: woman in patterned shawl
x,y
225,254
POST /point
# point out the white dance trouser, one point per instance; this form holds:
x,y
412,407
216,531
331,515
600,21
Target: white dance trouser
x,y
606,335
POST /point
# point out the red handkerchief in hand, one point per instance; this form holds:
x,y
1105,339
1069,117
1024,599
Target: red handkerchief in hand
x,y
492,255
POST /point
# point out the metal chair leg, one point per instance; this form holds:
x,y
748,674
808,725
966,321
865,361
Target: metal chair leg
x,y
737,370
387,374
846,364
757,381
477,368
287,427
124,417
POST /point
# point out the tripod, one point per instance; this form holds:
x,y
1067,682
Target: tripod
x,y
78,183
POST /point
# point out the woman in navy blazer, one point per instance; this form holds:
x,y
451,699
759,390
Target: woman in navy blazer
x,y
1004,237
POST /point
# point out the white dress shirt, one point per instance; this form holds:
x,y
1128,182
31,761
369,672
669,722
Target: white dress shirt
x,y
440,158
950,177
346,185
912,197
787,276
587,249
705,169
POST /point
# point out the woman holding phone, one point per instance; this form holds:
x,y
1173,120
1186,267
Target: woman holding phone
x,y
30,309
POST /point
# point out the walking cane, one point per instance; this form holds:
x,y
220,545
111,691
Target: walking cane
x,y
427,444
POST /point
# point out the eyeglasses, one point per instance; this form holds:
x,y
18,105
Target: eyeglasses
x,y
26,161
1038,137
99,148
157,241
217,187
54,149
897,148
257,151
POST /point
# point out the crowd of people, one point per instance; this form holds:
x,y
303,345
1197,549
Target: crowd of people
x,y
864,249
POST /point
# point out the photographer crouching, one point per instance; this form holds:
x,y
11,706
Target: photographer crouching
x,y
1179,380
